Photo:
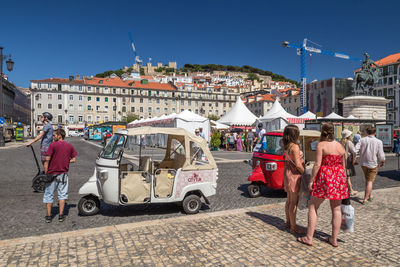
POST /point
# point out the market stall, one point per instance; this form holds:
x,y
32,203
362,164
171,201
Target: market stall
x,y
239,115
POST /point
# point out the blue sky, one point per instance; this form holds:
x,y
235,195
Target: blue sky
x,y
62,38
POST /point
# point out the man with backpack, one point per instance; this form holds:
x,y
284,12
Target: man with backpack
x,y
59,155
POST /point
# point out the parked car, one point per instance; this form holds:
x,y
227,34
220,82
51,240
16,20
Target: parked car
x,y
75,134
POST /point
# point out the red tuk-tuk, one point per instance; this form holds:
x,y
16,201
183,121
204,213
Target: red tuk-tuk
x,y
268,159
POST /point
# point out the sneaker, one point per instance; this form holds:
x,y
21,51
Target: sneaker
x,y
48,219
61,217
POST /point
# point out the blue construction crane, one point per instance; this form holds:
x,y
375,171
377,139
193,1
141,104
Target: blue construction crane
x,y
303,50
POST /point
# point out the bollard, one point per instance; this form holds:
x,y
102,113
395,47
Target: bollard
x,y
2,141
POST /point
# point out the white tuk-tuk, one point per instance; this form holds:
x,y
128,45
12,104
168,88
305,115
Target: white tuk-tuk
x,y
172,166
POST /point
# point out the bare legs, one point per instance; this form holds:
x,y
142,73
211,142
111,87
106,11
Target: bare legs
x,y
349,185
291,210
50,205
368,191
312,220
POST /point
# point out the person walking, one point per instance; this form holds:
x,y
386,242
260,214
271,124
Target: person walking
x,y
292,172
250,141
357,138
350,159
59,155
371,155
260,131
239,144
46,135
328,181
202,133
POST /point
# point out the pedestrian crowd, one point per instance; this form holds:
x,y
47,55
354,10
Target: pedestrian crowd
x,y
330,177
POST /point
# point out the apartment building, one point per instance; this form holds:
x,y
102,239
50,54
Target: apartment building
x,y
259,104
388,85
78,101
290,101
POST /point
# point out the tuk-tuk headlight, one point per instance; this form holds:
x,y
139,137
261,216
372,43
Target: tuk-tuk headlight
x,y
271,166
102,174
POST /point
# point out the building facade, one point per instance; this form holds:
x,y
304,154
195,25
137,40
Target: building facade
x,y
323,96
388,86
77,101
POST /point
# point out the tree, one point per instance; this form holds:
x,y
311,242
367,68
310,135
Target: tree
x,y
130,117
141,71
252,77
213,117
216,139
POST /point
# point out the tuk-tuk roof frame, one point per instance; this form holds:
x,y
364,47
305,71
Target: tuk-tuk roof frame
x,y
310,133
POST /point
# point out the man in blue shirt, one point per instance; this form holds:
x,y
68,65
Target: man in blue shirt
x,y
46,135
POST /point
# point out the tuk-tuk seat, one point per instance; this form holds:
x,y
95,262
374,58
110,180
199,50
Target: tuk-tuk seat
x,y
146,164
164,182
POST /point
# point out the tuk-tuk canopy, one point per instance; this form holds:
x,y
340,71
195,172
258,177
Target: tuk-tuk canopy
x,y
179,132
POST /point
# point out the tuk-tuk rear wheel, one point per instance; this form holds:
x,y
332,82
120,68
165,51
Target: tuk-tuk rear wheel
x,y
88,205
254,190
191,204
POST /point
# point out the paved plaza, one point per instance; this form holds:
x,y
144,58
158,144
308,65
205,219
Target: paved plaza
x,y
234,230
249,236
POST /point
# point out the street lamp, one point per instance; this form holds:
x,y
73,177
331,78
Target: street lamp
x,y
10,66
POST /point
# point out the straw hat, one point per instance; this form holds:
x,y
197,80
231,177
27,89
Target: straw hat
x,y
346,133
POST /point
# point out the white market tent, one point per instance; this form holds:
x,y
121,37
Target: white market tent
x,y
239,115
351,117
277,118
186,120
308,115
218,126
333,116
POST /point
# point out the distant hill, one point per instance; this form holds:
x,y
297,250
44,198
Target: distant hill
x,y
209,68
244,68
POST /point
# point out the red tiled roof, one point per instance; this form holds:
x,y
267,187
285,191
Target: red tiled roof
x,y
148,77
112,82
153,86
395,58
59,80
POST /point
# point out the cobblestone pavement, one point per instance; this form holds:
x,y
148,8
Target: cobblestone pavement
x,y
23,211
249,236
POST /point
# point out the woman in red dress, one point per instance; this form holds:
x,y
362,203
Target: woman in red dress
x,y
330,182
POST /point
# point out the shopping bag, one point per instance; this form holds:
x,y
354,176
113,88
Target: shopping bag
x,y
347,218
303,201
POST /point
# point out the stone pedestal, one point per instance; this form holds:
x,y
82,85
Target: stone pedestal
x,y
365,107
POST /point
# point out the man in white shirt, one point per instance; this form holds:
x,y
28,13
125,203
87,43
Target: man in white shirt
x,y
260,131
371,155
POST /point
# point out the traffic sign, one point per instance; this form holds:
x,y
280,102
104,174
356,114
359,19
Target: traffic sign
x,y
2,120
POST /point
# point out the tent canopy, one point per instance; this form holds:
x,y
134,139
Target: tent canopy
x,y
308,115
239,115
333,116
218,126
277,111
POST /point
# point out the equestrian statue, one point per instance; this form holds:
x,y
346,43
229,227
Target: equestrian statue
x,y
367,77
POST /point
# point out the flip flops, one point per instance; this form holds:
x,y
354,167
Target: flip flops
x,y
300,239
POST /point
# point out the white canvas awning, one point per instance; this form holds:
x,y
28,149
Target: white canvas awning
x,y
218,126
333,116
239,115
308,115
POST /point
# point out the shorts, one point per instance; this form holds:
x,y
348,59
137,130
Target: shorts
x,y
60,185
369,173
43,152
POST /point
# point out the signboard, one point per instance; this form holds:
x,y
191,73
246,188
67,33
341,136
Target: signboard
x,y
2,120
97,133
116,127
385,134
19,134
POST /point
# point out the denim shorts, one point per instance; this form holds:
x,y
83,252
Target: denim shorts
x,y
62,189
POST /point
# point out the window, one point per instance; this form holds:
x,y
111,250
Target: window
x,y
97,99
106,90
59,97
89,107
141,100
149,100
60,120
390,70
98,118
114,100
80,107
182,102
89,98
390,92
196,111
124,100
105,118
390,82
166,101
49,85
89,89
97,108
89,118
106,99
149,109
189,102
132,109
71,118
173,110
158,101
123,91
59,106
132,99
157,110
80,88
380,83
114,91
39,85
49,106
71,97
105,108
123,108
97,90
132,92
80,98
165,110
49,96
380,93
390,105
39,105
114,108
141,109
80,118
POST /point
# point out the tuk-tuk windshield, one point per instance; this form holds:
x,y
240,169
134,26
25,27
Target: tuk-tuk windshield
x,y
270,144
114,147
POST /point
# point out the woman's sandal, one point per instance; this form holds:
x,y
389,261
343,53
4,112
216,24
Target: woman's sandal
x,y
297,230
328,240
370,199
301,240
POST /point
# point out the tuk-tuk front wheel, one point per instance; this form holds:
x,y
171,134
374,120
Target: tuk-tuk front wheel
x,y
88,205
191,204
254,190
